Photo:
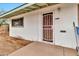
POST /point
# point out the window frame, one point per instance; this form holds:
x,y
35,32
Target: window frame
x,y
18,20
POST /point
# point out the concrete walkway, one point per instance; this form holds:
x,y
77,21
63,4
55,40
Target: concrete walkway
x,y
43,49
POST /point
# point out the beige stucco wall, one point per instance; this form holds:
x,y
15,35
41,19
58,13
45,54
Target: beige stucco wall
x,y
32,29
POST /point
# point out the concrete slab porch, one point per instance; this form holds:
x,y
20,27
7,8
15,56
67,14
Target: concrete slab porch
x,y
43,49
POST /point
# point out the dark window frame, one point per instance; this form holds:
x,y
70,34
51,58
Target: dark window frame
x,y
18,22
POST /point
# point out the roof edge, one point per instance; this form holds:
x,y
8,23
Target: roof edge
x,y
16,9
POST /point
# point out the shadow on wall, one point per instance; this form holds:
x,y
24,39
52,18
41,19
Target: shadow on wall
x,y
18,36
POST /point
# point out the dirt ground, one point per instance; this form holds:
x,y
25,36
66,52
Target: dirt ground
x,y
10,44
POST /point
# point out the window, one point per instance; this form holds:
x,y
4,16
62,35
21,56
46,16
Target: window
x,y
17,22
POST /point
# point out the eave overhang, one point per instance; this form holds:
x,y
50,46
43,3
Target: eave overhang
x,y
25,8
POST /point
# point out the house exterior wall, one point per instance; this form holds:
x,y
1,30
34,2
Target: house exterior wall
x,y
32,29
